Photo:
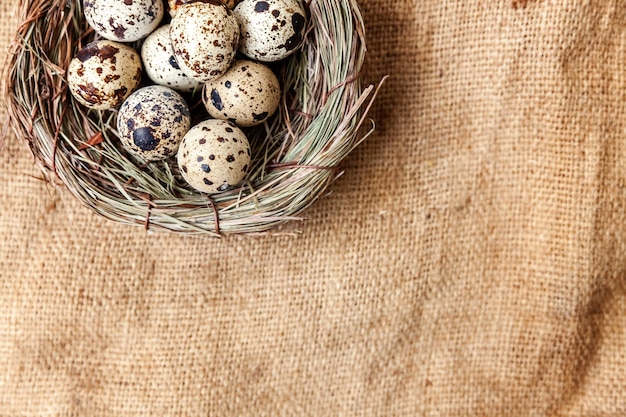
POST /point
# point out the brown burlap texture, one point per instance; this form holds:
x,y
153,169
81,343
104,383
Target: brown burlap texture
x,y
470,262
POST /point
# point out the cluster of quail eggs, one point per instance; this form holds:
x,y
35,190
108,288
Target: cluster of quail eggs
x,y
217,47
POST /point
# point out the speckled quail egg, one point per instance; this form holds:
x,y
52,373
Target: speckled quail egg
x,y
247,94
204,39
270,29
214,156
161,66
152,122
123,20
175,4
103,74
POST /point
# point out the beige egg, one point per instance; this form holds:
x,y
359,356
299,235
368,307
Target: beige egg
x,y
175,4
204,39
270,30
152,122
123,20
214,156
103,74
247,94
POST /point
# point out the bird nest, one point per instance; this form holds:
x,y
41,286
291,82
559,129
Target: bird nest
x,y
296,155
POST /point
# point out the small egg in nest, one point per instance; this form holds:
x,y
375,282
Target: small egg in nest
x,y
248,94
214,156
204,39
123,20
271,30
152,122
103,74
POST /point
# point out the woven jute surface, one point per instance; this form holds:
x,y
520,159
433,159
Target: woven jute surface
x,y
471,261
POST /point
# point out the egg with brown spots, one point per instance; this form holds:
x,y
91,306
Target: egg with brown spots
x,y
214,156
204,39
160,64
152,122
248,94
123,20
175,4
271,30
103,74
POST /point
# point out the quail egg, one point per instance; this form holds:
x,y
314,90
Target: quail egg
x,y
247,94
103,74
214,156
270,29
204,39
152,122
123,20
160,64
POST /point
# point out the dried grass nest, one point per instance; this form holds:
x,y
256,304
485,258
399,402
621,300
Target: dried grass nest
x,y
296,155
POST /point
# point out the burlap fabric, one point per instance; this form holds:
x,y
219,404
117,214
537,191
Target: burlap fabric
x,y
471,262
